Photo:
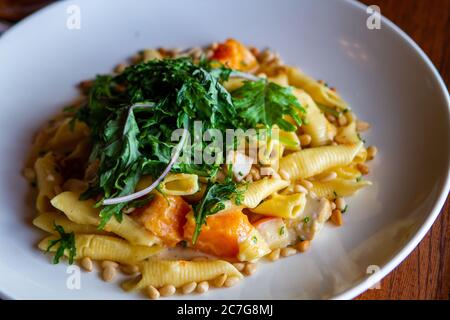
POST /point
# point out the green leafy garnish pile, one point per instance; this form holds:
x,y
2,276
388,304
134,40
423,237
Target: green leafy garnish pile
x,y
66,242
128,145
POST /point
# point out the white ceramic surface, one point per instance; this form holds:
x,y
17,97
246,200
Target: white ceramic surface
x,y
385,76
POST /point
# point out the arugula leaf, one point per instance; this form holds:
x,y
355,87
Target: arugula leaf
x,y
66,241
263,102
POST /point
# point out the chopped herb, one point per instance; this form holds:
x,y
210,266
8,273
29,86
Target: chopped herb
x,y
358,179
254,239
240,173
66,242
345,209
306,220
360,138
335,194
329,110
300,238
281,232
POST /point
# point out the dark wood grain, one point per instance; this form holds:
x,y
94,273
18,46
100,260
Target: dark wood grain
x,y
425,274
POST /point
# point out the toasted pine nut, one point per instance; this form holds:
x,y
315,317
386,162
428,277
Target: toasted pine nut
x,y
120,68
189,287
129,269
284,175
255,174
307,184
107,263
299,188
287,252
249,178
362,168
86,264
305,139
330,117
336,217
167,290
333,205
239,265
50,177
250,269
29,174
328,176
340,203
202,287
371,152
108,273
362,126
219,281
342,120
231,281
303,246
274,255
152,292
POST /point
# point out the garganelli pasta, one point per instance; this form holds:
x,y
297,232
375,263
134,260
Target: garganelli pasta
x,y
186,167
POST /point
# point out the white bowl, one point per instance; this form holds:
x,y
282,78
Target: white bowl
x,y
384,75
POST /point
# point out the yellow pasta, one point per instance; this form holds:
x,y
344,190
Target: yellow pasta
x,y
284,206
316,124
159,273
47,220
48,181
68,135
339,187
261,189
319,92
309,162
83,212
347,134
179,184
100,247
253,247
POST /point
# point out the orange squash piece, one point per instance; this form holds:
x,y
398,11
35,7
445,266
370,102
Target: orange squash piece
x,y
165,217
235,55
222,233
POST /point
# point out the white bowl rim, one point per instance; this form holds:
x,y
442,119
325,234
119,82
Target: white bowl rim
x,y
401,255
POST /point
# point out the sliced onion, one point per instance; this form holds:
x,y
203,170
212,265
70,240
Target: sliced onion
x,y
244,75
172,161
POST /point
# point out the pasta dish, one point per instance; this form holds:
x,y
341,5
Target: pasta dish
x,y
184,169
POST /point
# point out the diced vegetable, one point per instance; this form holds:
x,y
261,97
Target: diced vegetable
x,y
165,216
235,55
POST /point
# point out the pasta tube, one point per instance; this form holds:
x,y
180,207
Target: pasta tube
x,y
48,181
309,162
159,273
83,212
99,247
261,189
338,187
47,220
284,206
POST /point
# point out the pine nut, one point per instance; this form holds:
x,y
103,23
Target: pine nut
x,y
342,120
120,68
307,184
305,139
250,269
328,176
299,188
29,174
284,175
362,126
202,287
152,292
129,269
287,252
333,205
274,255
239,265
371,152
362,168
219,281
330,117
340,203
189,287
255,174
276,176
231,281
167,290
108,274
107,263
86,264
249,178
303,246
336,217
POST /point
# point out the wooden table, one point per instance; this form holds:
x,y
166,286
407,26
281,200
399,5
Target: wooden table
x,y
425,274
